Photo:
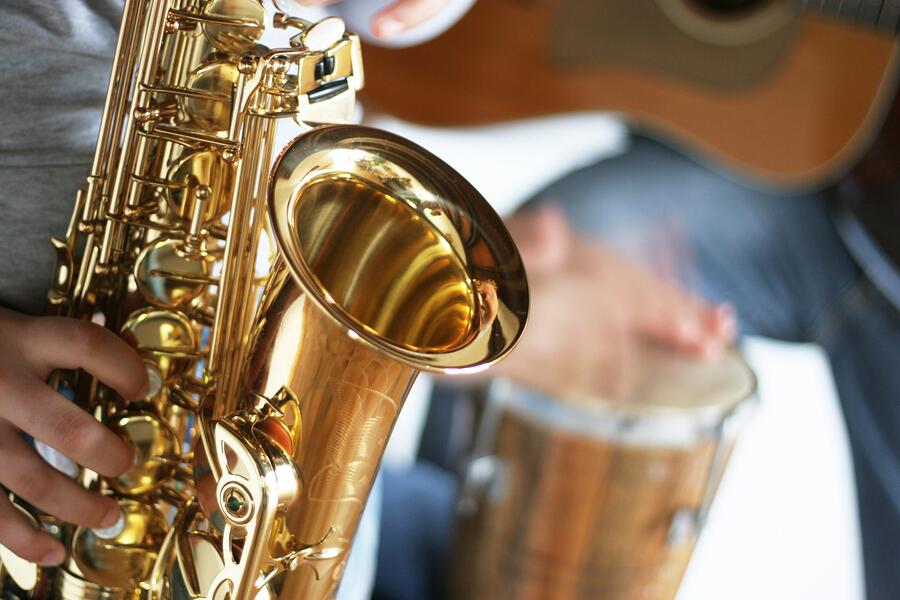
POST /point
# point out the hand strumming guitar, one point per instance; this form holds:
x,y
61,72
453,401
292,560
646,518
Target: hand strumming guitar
x,y
398,17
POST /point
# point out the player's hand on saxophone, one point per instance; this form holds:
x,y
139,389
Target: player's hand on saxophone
x,y
32,348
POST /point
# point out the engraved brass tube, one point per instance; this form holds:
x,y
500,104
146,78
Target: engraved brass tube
x,y
349,396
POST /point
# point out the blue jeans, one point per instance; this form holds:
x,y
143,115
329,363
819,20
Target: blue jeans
x,y
782,264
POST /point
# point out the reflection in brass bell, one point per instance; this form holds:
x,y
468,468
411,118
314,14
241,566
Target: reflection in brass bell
x,y
411,250
167,276
126,559
156,447
167,339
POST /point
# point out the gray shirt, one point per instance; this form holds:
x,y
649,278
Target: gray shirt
x,y
55,57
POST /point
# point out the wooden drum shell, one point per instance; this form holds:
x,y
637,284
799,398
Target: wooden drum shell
x,y
572,514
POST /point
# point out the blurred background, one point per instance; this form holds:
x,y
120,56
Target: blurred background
x,y
705,403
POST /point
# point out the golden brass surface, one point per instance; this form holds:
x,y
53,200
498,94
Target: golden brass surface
x,y
197,170
282,300
246,21
199,562
433,311
156,452
72,587
166,338
170,278
209,106
125,560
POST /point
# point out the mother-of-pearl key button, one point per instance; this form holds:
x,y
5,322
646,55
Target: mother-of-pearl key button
x,y
154,377
108,533
324,34
57,459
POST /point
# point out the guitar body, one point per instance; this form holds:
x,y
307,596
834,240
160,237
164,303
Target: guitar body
x,y
786,99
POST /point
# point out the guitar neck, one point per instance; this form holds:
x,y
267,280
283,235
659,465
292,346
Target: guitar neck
x,y
878,14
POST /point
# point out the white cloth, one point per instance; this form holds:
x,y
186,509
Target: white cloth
x,y
783,524
510,162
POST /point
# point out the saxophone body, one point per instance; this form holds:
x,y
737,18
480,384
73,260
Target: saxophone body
x,y
283,301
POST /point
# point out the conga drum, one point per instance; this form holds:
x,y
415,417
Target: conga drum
x,y
587,497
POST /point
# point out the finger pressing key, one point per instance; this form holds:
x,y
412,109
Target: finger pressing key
x,y
53,419
26,541
60,343
26,474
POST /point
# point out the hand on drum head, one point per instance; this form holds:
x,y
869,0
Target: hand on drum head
x,y
32,348
591,307
398,17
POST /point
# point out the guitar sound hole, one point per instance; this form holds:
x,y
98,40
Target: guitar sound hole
x,y
729,7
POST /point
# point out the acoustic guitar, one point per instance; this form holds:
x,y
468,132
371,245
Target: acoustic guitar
x,y
784,94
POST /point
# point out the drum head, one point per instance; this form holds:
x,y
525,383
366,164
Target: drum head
x,y
673,400
666,381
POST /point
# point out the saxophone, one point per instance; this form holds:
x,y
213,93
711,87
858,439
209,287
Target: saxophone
x,y
282,299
